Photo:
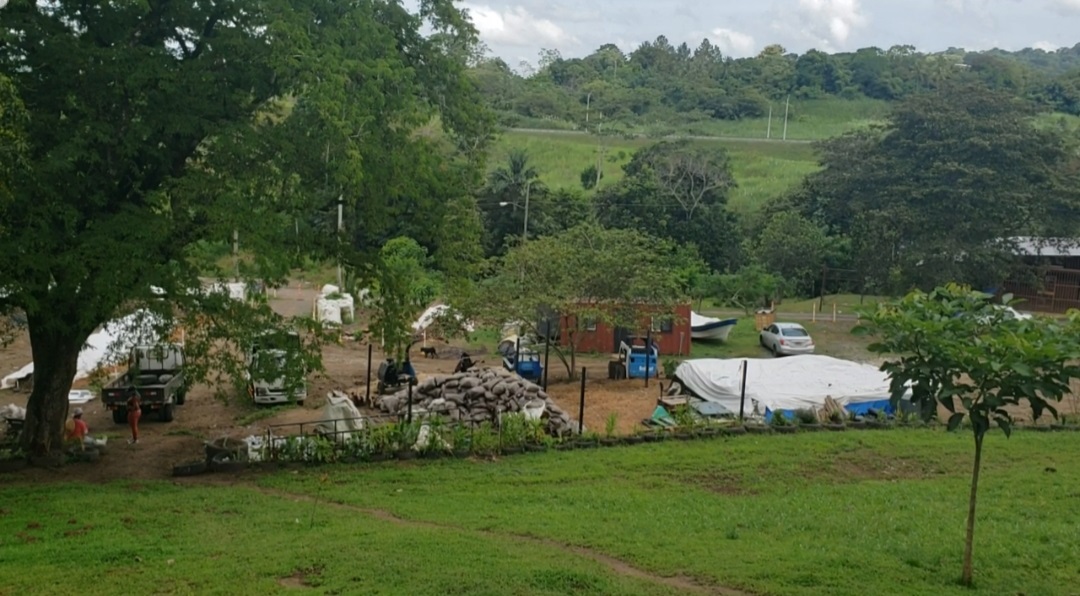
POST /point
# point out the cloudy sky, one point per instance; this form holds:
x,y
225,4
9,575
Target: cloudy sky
x,y
516,30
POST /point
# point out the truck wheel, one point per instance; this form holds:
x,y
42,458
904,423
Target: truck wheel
x,y
300,402
166,413
181,397
119,416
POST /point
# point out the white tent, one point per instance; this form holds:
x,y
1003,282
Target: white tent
x,y
431,315
109,344
786,384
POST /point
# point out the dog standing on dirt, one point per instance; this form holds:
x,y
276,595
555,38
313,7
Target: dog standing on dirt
x,y
429,352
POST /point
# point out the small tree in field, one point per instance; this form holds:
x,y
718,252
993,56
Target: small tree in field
x,y
976,358
588,274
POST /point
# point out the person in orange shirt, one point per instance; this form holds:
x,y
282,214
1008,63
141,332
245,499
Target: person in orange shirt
x,y
76,429
134,411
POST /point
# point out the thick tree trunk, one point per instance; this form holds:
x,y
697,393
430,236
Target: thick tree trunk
x,y
969,542
56,355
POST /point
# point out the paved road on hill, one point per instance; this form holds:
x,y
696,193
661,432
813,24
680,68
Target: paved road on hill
x,y
691,137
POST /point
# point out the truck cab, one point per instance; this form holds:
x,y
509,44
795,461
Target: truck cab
x,y
275,370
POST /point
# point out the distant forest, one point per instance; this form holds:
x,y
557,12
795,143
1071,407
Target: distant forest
x,y
659,82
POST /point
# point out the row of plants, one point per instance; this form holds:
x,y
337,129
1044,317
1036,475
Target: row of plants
x,y
514,434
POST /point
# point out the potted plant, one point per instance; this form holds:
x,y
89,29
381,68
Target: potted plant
x,y
781,424
836,421
877,420
854,421
610,426
807,419
459,440
405,436
732,429
512,434
485,441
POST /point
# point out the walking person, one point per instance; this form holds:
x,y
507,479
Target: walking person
x,y
134,411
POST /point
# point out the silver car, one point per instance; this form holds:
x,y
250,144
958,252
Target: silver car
x,y
787,339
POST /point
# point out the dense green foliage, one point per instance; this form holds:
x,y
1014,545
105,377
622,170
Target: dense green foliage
x,y
152,127
938,193
682,85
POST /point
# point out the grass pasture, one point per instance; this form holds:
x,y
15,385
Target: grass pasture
x,y
813,513
762,169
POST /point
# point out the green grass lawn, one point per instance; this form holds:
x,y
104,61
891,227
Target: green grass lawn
x,y
831,339
814,513
762,170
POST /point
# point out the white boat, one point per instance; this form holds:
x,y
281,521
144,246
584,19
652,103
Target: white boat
x,y
80,396
702,327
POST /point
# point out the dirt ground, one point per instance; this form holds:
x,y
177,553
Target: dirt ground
x,y
205,417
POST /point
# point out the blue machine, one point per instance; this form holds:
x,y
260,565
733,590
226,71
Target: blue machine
x,y
639,359
521,359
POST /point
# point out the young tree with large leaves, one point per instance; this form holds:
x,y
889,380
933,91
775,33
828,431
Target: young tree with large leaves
x,y
957,348
155,125
587,273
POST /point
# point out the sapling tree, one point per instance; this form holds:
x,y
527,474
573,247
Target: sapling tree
x,y
957,348
403,287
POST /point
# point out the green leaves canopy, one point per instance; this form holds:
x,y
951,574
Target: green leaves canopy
x,y
155,125
956,347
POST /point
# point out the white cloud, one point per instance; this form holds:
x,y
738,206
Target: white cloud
x,y
1045,46
830,22
732,43
1066,7
516,26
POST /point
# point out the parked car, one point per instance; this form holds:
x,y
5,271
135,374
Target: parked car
x,y
787,339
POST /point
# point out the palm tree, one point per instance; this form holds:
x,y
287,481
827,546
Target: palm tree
x,y
510,186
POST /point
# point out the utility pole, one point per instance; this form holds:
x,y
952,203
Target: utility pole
x,y
236,254
768,129
340,207
787,104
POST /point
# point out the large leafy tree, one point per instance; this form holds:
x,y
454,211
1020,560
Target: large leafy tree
x,y
678,191
957,348
938,192
587,273
155,125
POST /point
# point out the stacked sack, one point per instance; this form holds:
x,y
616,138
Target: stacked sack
x,y
478,396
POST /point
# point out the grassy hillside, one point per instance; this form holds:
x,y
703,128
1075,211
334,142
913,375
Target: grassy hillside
x,y
808,119
762,169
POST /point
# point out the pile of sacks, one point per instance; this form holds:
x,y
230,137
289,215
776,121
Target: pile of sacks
x,y
478,396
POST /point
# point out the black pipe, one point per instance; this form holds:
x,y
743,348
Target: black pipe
x,y
581,407
547,351
648,352
409,383
367,392
742,397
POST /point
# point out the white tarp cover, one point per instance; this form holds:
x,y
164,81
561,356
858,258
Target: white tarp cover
x,y
112,342
340,416
431,315
697,320
333,310
783,383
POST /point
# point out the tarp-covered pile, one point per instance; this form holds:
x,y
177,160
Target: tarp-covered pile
x,y
786,384
334,306
107,346
480,396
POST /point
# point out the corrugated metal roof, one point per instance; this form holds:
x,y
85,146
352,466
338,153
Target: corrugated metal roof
x,y
1047,247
